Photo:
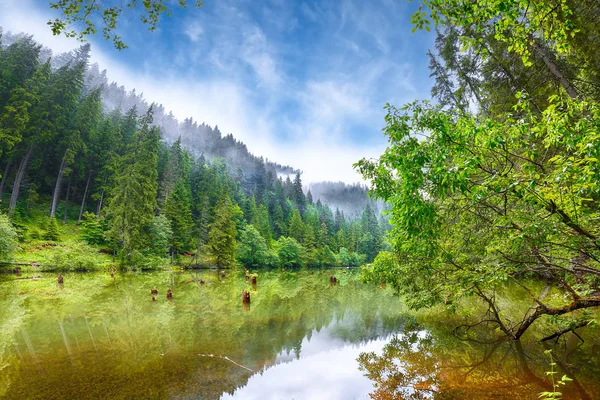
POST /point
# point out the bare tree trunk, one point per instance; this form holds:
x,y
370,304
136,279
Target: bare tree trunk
x,y
67,201
18,179
99,208
4,175
100,201
555,70
85,192
57,187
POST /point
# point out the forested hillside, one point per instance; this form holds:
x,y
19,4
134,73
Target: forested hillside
x,y
132,181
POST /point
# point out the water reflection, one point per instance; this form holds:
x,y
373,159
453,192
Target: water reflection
x,y
103,337
418,364
325,368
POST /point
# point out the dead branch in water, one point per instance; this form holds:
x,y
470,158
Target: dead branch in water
x,y
225,358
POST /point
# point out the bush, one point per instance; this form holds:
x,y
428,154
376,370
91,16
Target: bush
x,y
8,238
76,256
327,257
347,259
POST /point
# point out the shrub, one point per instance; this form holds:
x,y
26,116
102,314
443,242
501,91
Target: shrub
x,y
76,256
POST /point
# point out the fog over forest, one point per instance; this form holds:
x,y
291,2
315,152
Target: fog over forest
x,y
201,138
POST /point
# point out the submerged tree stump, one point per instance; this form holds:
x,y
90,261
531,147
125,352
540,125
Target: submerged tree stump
x,y
154,291
60,279
169,294
245,297
254,280
332,279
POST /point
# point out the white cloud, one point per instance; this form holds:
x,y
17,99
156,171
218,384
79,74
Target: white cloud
x,y
194,30
321,109
256,53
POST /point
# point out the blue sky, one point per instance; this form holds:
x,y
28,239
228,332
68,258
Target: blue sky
x,y
300,82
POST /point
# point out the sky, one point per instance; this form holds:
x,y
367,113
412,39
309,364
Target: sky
x,y
301,82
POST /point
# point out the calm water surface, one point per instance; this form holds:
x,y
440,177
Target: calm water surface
x,y
300,338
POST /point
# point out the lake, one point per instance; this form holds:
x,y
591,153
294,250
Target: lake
x,y
301,337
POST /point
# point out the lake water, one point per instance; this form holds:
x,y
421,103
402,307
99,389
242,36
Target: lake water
x,y
97,337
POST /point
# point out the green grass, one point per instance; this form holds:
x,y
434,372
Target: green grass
x,y
68,253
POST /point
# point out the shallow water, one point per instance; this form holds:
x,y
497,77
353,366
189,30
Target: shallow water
x,y
300,338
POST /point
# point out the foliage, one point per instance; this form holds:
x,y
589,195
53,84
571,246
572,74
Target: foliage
x,y
556,384
289,251
253,251
89,14
161,236
75,256
349,259
221,239
472,206
499,182
133,201
8,238
52,230
92,229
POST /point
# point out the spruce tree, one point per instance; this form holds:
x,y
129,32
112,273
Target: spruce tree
x,y
179,213
133,199
221,238
296,226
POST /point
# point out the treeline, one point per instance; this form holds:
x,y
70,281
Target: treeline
x,y
139,196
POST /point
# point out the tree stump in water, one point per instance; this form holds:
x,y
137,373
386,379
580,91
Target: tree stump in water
x,y
154,291
153,298
169,294
254,280
245,297
332,279
202,282
60,279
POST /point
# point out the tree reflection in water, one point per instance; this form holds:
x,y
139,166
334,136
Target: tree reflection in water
x,y
418,364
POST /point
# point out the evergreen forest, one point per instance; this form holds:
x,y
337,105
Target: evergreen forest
x,y
110,180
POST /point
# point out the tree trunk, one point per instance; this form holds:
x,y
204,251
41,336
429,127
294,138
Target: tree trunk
x,y
4,175
101,198
555,70
99,208
67,201
18,179
85,192
57,187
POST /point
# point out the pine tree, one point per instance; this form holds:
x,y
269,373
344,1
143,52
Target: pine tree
x,y
53,232
179,213
296,226
298,194
221,238
133,199
263,225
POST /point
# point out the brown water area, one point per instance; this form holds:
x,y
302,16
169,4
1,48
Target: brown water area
x,y
299,337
